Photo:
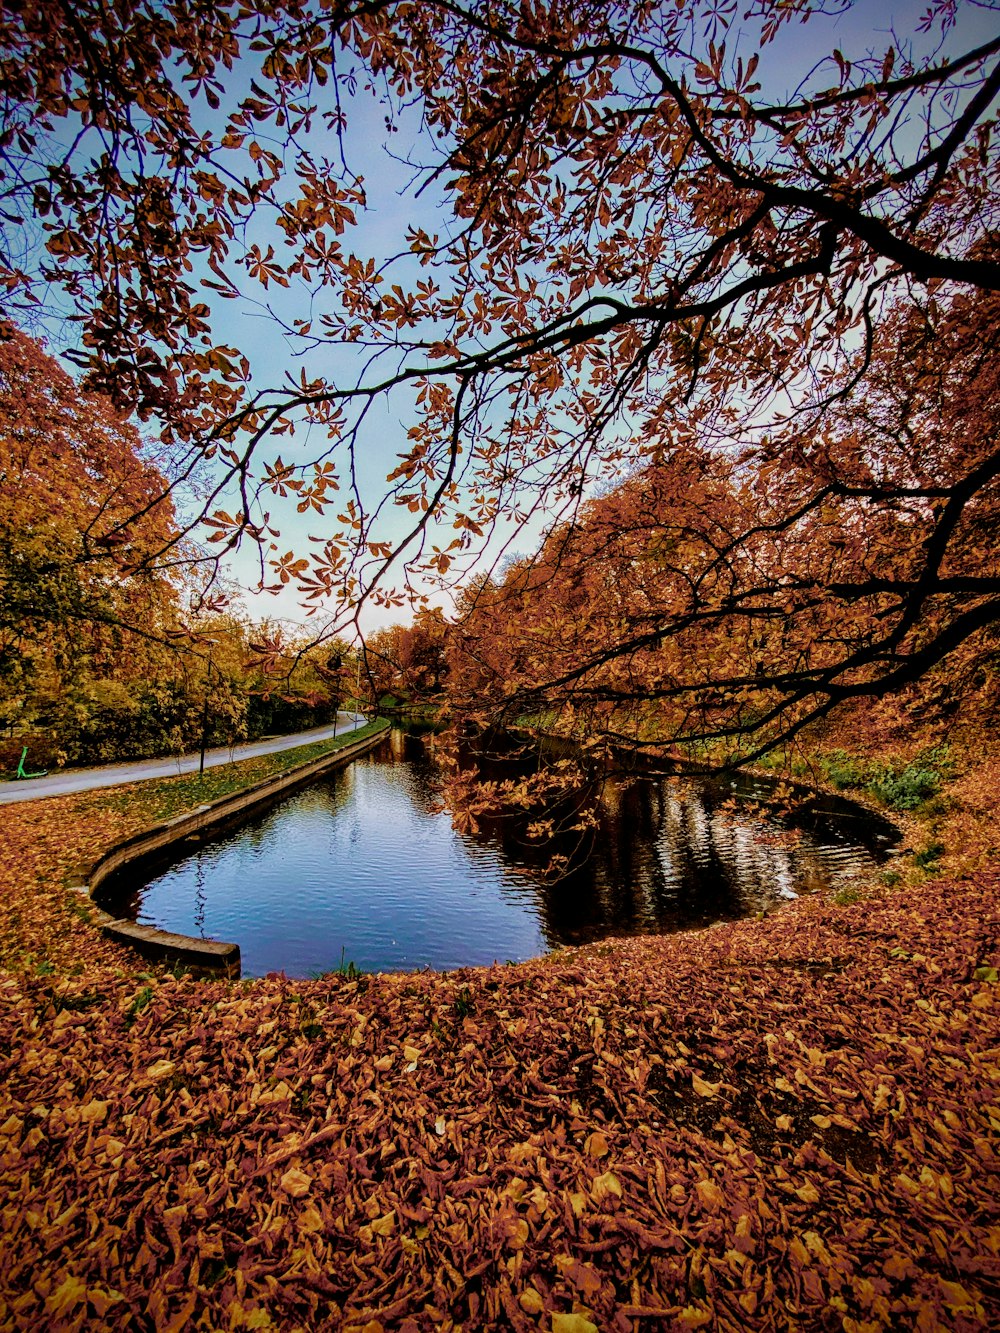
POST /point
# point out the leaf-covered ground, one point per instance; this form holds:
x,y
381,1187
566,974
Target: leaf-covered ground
x,y
780,1124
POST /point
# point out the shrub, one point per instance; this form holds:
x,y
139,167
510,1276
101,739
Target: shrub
x,y
906,788
844,770
902,786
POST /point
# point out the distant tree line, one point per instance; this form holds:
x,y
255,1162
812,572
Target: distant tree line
x,y
105,652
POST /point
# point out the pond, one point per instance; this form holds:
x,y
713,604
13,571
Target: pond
x,y
361,867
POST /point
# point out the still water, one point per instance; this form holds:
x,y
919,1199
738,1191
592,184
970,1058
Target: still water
x,y
360,867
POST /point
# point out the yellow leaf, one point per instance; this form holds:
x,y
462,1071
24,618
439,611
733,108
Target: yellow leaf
x,y
517,1236
704,1089
808,1192
572,1323
692,1317
382,1226
899,1266
161,1069
530,1301
384,1063
411,1053
821,1121
578,1202
784,1122
605,1185
94,1112
70,1293
845,1122
710,1194
956,1296
296,1182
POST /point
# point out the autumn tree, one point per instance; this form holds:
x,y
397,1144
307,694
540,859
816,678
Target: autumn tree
x,y
705,599
81,509
665,232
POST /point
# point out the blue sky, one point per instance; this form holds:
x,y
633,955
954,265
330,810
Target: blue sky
x,y
393,206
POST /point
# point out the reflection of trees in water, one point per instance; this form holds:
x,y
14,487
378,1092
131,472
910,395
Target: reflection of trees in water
x,y
419,773
200,896
665,854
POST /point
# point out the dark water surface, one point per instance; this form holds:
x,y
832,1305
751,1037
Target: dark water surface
x,y
358,867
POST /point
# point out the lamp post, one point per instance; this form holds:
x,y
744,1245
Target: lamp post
x,y
204,712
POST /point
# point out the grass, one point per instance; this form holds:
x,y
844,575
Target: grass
x,y
166,797
898,785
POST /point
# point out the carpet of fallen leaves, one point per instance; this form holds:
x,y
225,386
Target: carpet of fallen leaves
x,y
779,1124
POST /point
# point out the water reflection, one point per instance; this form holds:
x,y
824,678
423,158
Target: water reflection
x,y
363,866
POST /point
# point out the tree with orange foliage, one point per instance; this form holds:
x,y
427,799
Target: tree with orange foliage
x,y
710,599
668,233
82,511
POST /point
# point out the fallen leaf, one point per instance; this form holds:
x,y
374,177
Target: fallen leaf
x,y
572,1323
703,1088
530,1301
296,1182
605,1185
710,1194
596,1145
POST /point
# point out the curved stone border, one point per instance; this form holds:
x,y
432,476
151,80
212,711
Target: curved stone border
x,y
212,956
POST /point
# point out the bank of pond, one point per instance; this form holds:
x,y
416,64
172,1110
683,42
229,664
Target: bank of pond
x,y
364,867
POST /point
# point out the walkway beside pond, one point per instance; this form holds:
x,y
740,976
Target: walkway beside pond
x,y
67,781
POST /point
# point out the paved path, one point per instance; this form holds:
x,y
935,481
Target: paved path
x,y
66,781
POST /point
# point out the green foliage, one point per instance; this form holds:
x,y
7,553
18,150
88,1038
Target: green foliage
x,y
82,716
140,1003
845,897
901,786
347,968
906,788
844,770
167,797
927,858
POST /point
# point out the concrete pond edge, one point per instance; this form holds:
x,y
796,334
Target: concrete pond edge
x,y
214,957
